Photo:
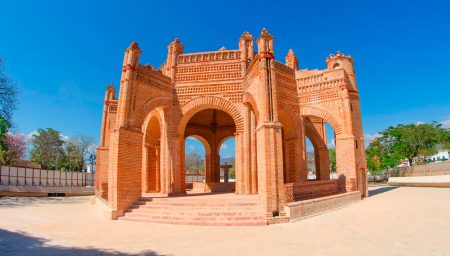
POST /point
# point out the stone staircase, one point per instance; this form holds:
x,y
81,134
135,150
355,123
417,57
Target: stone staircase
x,y
206,210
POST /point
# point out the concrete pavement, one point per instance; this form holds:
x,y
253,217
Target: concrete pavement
x,y
393,221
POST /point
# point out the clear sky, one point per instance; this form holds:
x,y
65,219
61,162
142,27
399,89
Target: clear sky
x,y
63,54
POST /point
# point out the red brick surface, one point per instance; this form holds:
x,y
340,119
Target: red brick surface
x,y
269,107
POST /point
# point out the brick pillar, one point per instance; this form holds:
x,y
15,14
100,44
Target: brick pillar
x,y
300,161
125,173
238,164
177,178
181,160
214,160
253,153
324,164
208,174
164,164
346,163
303,172
246,151
217,168
157,169
270,166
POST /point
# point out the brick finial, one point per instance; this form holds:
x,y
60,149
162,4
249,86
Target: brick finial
x,y
291,60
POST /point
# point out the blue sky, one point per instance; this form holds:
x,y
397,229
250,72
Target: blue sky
x,y
64,54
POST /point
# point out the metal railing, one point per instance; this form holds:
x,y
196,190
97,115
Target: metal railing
x,y
22,176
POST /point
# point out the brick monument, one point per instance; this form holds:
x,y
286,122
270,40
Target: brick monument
x,y
269,107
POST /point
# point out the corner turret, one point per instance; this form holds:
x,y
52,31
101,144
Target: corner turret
x,y
342,61
131,57
175,48
265,44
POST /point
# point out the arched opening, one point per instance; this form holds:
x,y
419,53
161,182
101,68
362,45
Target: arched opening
x,y
196,152
227,159
151,154
211,127
310,159
291,145
320,148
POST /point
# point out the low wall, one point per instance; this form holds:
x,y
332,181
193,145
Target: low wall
x,y
431,169
421,181
21,176
45,191
213,187
307,208
310,189
21,181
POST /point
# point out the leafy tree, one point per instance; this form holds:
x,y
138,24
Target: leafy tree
x,y
47,149
405,142
8,95
16,146
4,127
232,173
332,156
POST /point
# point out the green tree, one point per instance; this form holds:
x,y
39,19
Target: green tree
x,y
4,127
405,142
332,156
47,149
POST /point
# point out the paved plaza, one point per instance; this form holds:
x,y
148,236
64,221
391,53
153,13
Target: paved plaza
x,y
392,221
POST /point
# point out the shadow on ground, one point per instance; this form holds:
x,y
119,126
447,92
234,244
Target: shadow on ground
x,y
380,190
19,243
10,201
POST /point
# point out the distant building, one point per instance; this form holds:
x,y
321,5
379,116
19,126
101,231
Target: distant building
x,y
439,156
90,168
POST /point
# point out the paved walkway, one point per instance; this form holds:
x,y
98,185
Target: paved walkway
x,y
393,221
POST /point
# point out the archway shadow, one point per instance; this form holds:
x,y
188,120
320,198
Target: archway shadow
x,y
20,243
381,190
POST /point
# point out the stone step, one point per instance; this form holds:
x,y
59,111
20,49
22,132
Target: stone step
x,y
195,217
195,208
205,203
224,210
197,222
201,198
164,212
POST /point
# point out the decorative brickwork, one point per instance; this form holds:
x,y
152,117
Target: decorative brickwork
x,y
267,106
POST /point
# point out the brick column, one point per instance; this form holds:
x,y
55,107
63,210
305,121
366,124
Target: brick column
x,y
177,177
324,165
208,171
238,164
164,164
214,160
125,172
158,174
246,151
270,166
346,163
253,153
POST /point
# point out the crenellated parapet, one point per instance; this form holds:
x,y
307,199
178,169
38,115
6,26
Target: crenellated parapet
x,y
154,78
